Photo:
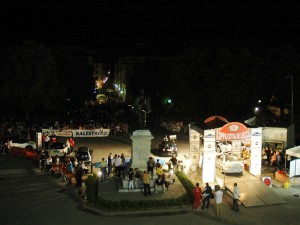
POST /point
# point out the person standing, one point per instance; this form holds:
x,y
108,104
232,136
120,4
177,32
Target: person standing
x,y
236,195
68,146
78,176
130,179
47,141
109,164
48,165
206,196
146,181
172,163
219,200
83,196
43,140
103,167
150,166
72,144
197,197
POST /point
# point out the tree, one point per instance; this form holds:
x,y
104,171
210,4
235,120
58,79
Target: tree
x,y
75,75
29,81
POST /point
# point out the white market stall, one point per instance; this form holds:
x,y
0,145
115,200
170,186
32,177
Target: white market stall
x,y
294,172
295,151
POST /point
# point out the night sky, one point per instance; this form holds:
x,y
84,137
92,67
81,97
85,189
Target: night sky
x,y
115,26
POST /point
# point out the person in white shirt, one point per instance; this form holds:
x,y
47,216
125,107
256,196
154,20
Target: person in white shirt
x,y
219,200
48,165
47,141
118,165
236,195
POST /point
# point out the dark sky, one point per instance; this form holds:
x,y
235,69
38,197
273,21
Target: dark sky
x,y
118,25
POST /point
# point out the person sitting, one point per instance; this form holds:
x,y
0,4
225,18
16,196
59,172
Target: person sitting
x,y
159,170
159,182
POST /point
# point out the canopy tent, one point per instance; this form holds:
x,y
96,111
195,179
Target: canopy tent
x,y
295,151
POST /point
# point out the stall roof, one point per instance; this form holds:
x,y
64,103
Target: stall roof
x,y
295,151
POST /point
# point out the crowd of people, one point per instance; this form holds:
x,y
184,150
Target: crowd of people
x,y
27,131
272,157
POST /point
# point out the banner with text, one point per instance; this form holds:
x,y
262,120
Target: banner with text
x,y
77,133
91,133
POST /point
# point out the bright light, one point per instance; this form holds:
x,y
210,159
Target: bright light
x,y
259,101
105,79
99,174
256,109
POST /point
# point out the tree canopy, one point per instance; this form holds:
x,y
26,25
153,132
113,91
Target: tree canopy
x,y
29,79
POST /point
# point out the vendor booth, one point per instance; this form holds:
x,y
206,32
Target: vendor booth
x,y
294,151
222,137
293,176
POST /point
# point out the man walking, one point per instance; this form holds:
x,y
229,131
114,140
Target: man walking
x,y
236,195
219,200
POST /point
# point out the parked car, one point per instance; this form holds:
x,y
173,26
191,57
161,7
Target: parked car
x,y
58,148
22,143
229,163
167,148
84,154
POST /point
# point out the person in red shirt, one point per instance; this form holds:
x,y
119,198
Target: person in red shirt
x,y
72,144
197,193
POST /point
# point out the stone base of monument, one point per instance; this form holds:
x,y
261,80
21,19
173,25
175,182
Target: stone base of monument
x,y
138,184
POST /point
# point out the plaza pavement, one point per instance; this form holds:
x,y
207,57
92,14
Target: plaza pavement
x,y
108,190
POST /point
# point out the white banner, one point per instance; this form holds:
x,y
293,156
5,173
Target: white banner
x,y
58,133
256,145
294,168
194,137
91,133
77,133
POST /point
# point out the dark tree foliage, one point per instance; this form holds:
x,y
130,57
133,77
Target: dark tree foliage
x,y
28,81
152,77
205,82
76,75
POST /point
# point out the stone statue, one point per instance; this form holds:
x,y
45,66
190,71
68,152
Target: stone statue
x,y
142,107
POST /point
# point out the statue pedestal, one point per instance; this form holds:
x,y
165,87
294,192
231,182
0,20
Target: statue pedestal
x,y
141,149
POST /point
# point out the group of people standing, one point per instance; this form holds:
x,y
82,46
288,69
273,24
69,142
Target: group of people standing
x,y
207,194
272,157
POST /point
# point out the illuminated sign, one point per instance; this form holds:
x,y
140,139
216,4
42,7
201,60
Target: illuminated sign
x,y
233,131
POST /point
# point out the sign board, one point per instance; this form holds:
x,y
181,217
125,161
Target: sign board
x,y
256,145
295,168
194,137
233,131
209,156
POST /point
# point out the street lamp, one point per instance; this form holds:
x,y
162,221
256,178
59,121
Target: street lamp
x,y
292,97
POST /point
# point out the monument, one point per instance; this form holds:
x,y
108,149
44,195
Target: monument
x,y
142,106
141,149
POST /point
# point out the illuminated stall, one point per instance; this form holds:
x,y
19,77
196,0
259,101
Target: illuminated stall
x,y
222,137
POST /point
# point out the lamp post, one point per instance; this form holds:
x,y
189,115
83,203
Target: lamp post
x,y
292,97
